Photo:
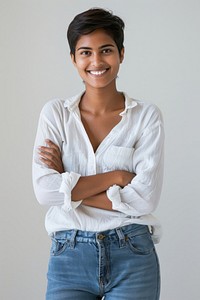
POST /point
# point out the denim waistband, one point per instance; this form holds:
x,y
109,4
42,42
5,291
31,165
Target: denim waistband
x,y
120,234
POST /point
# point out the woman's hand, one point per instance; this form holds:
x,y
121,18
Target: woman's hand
x,y
51,156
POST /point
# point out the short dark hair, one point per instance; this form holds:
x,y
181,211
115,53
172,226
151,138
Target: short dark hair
x,y
92,19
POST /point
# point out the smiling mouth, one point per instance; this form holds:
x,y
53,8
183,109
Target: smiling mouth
x,y
98,73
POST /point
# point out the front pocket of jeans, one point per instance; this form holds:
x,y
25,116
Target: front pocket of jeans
x,y
58,246
140,244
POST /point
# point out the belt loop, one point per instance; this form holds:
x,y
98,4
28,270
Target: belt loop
x,y
122,242
73,239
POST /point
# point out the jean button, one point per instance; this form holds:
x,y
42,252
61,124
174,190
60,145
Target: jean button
x,y
100,236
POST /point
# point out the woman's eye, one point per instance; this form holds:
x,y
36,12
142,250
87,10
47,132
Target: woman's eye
x,y
107,50
85,53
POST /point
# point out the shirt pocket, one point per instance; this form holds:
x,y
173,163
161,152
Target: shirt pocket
x,y
118,158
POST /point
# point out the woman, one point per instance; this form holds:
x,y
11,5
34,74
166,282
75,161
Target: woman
x,y
98,164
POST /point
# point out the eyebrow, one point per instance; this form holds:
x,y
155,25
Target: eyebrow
x,y
89,48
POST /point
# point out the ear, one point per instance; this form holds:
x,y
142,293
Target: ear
x,y
73,59
122,55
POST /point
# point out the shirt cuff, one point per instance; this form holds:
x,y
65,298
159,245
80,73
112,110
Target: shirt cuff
x,y
113,194
69,180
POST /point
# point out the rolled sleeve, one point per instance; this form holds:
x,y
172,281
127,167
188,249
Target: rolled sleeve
x,y
113,193
69,180
141,196
52,188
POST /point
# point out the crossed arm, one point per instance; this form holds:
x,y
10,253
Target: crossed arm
x,y
90,189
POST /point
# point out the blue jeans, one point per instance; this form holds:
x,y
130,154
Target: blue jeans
x,y
115,264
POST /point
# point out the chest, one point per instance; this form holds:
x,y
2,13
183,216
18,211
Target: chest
x,y
99,127
114,136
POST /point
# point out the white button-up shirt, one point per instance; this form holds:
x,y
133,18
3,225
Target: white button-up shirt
x,y
135,144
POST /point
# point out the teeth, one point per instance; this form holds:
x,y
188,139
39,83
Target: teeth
x,y
97,72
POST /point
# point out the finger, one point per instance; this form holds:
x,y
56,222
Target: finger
x,y
52,165
51,159
52,145
49,154
48,163
53,151
52,148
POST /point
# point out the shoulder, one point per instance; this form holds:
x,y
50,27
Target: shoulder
x,y
61,106
141,107
147,110
145,115
147,107
53,106
151,117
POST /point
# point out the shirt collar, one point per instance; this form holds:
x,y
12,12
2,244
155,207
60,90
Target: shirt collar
x,y
72,102
129,103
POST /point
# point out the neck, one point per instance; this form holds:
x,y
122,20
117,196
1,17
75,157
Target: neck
x,y
100,101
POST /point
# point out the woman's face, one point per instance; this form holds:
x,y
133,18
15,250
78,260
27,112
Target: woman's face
x,y
97,59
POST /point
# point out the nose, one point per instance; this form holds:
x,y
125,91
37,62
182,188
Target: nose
x,y
97,60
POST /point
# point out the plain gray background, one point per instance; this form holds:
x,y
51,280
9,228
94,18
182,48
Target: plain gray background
x,y
161,66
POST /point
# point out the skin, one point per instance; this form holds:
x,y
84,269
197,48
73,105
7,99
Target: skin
x,y
97,61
